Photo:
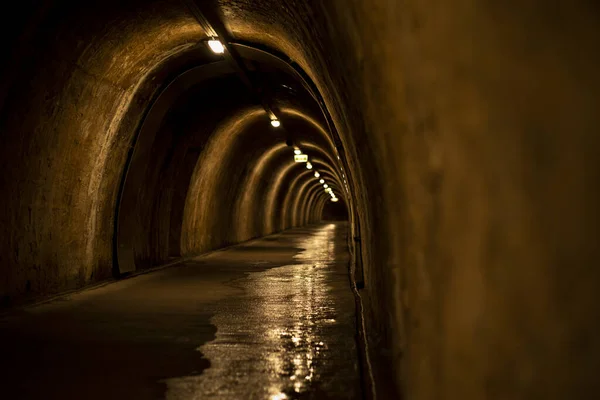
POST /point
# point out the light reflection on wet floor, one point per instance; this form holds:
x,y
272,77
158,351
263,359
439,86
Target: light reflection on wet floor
x,y
289,335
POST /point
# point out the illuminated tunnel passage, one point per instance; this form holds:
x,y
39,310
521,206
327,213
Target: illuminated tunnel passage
x,y
460,138
269,319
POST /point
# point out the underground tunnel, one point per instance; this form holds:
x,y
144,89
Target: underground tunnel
x,y
300,199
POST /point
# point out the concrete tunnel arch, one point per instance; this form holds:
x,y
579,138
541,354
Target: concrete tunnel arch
x,y
466,134
301,203
324,168
294,215
202,184
316,198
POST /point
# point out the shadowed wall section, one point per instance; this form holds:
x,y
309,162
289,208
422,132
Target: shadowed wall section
x,y
66,131
467,133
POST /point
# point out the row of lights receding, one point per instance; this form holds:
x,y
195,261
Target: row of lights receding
x,y
297,152
299,157
217,47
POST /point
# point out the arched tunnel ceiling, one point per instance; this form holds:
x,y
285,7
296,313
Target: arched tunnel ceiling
x,y
466,131
157,42
242,154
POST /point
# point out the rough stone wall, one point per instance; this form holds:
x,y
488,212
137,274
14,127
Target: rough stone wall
x,y
471,128
71,102
471,133
487,134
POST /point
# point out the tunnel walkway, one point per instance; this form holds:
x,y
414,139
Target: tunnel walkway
x,y
268,319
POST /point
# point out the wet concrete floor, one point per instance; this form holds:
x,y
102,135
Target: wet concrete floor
x,y
273,318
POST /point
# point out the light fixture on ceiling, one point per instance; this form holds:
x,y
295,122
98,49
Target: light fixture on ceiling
x,y
275,123
300,158
334,199
317,174
216,46
325,186
322,181
297,151
308,165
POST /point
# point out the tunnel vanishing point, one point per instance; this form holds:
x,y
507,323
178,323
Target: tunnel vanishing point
x,y
460,138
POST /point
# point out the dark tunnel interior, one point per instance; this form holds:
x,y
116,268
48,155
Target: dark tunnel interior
x,y
335,212
419,178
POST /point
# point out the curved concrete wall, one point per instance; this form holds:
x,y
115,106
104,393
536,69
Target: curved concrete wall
x,y
469,129
66,131
232,194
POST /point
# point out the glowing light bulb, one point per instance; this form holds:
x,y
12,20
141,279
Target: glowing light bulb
x,y
275,123
322,181
216,46
317,174
334,199
297,151
308,165
325,186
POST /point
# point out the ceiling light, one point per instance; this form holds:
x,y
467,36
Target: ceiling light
x,y
322,181
308,165
275,123
325,186
216,46
334,199
317,174
297,151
